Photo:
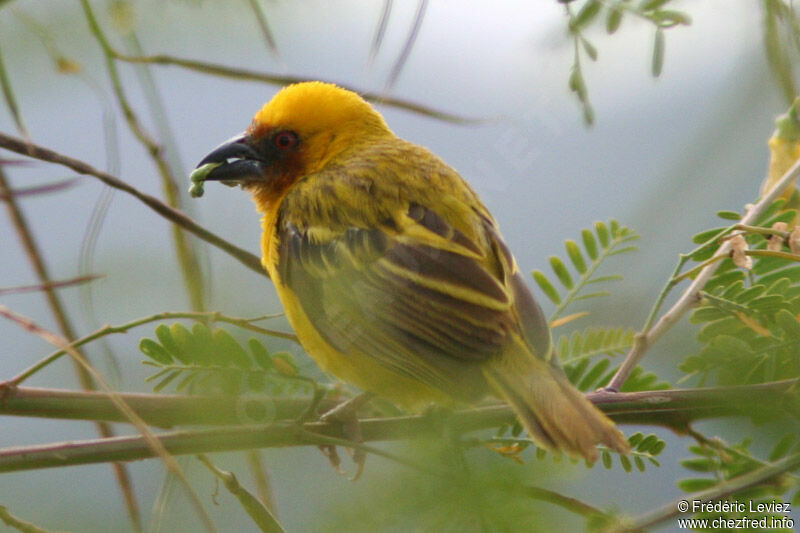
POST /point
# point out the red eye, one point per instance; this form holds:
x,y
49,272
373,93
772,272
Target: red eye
x,y
285,140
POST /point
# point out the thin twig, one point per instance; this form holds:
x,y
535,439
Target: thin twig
x,y
215,316
690,296
397,68
266,32
259,512
148,437
20,146
49,285
59,313
187,255
57,186
275,79
258,470
719,491
380,32
566,502
19,524
11,101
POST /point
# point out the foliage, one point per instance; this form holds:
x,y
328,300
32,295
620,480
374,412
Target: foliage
x,y
607,240
611,14
748,318
721,463
749,329
212,360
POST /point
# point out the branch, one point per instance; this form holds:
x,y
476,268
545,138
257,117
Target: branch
x,y
691,295
147,436
262,516
669,408
211,316
274,79
22,147
49,285
717,492
58,310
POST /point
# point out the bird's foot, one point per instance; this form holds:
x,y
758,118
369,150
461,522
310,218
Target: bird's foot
x,y
346,415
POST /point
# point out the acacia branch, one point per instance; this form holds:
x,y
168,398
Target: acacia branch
x,y
715,493
691,295
35,151
57,309
674,409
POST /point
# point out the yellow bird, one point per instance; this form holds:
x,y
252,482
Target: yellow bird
x,y
784,150
391,270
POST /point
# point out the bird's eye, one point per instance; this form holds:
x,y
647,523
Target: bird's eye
x,y
285,140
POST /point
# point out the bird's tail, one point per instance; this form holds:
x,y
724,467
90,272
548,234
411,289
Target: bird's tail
x,y
554,413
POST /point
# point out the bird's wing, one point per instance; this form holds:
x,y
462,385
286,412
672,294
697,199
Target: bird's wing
x,y
417,295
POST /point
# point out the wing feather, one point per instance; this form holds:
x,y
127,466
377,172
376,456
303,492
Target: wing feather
x,y
424,311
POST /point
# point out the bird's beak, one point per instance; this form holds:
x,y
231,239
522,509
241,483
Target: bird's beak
x,y
232,163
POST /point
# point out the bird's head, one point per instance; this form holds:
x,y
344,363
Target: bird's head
x,y
298,132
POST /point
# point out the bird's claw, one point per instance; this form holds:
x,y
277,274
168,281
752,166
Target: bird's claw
x,y
346,415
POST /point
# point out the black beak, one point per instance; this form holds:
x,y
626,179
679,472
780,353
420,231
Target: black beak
x,y
235,160
232,163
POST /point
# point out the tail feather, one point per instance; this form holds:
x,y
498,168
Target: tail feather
x,y
555,414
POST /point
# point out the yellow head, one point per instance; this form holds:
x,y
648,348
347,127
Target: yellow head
x,y
296,133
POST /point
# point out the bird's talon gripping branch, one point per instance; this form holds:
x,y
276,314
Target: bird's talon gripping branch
x,y
329,451
346,414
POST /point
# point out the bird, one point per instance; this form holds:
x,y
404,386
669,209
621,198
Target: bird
x,y
392,271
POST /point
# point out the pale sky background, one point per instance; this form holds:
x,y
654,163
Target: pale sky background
x,y
664,155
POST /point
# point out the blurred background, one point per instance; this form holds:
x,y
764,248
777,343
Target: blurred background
x,y
664,154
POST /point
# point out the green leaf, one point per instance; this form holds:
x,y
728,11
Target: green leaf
x,y
260,354
651,5
202,344
602,234
667,18
575,371
226,346
606,458
729,215
592,376
626,463
561,272
589,243
788,323
187,381
635,439
699,464
782,447
591,51
547,288
647,443
154,351
639,463
576,83
658,53
696,485
164,335
708,235
166,381
586,14
182,338
575,255
613,20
